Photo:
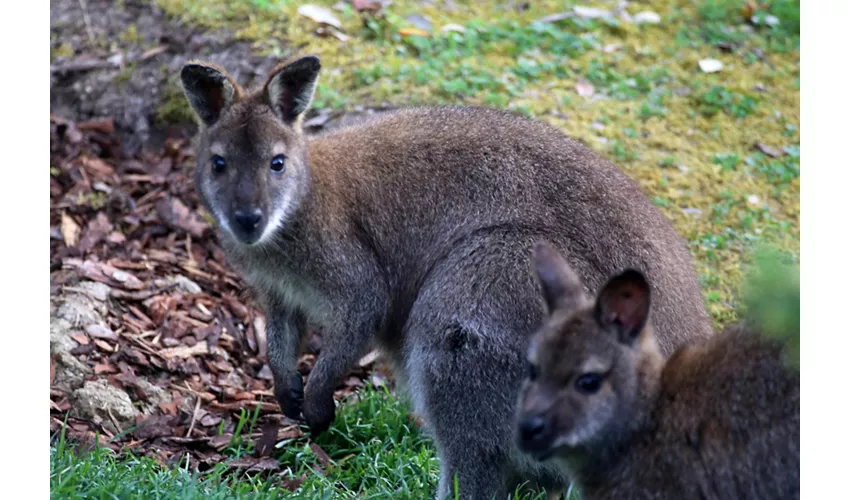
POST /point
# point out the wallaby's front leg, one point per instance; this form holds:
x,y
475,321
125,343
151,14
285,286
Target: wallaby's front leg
x,y
284,331
342,345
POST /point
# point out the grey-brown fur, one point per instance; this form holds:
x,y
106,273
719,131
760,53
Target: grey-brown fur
x,y
719,420
413,230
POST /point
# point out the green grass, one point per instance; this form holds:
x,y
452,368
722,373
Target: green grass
x,y
375,449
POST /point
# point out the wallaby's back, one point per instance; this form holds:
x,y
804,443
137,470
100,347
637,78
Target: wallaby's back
x,y
726,425
448,172
738,403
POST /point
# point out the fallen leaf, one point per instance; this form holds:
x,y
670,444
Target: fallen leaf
x,y
710,65
585,88
453,28
554,18
102,125
240,405
378,379
647,17
185,351
209,420
169,408
320,15
294,483
252,464
342,37
153,52
260,335
81,338
323,457
175,214
770,20
420,22
104,273
105,368
370,5
155,426
244,396
104,346
265,444
749,9
353,382
590,12
134,356
100,331
319,120
413,32
768,150
265,373
96,231
368,359
291,432
96,167
221,441
70,230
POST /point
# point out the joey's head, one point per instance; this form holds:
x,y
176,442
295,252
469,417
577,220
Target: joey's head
x,y
252,171
582,386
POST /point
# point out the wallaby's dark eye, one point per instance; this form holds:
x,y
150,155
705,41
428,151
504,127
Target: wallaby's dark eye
x,y
278,162
589,383
218,164
530,370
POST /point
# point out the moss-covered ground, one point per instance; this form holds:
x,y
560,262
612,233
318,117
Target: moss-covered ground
x,y
687,136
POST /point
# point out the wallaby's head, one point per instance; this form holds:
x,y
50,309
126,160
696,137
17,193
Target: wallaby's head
x,y
583,362
252,169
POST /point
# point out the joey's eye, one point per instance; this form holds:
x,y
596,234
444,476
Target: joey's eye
x,y
530,370
278,162
588,383
218,164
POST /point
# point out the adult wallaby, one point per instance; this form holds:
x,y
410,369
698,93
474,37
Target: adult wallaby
x,y
413,230
719,419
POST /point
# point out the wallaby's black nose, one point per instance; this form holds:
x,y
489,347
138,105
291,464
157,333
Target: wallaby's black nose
x,y
248,219
532,428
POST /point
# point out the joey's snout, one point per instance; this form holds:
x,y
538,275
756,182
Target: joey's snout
x,y
534,435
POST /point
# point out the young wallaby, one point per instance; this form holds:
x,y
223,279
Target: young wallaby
x,y
719,420
413,230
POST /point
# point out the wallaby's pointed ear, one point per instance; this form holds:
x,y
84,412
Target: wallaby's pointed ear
x,y
209,89
561,286
290,87
623,305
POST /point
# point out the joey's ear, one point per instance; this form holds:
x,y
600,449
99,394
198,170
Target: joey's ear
x,y
290,88
623,304
209,89
561,286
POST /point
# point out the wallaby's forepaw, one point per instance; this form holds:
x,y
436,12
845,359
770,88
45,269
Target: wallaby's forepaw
x,y
290,395
319,412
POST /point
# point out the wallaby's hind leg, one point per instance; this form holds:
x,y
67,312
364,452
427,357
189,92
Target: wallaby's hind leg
x,y
465,342
466,412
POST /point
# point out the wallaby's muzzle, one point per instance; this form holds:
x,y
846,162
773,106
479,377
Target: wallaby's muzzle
x,y
534,435
247,225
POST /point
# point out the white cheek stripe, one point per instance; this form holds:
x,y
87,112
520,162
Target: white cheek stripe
x,y
276,217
